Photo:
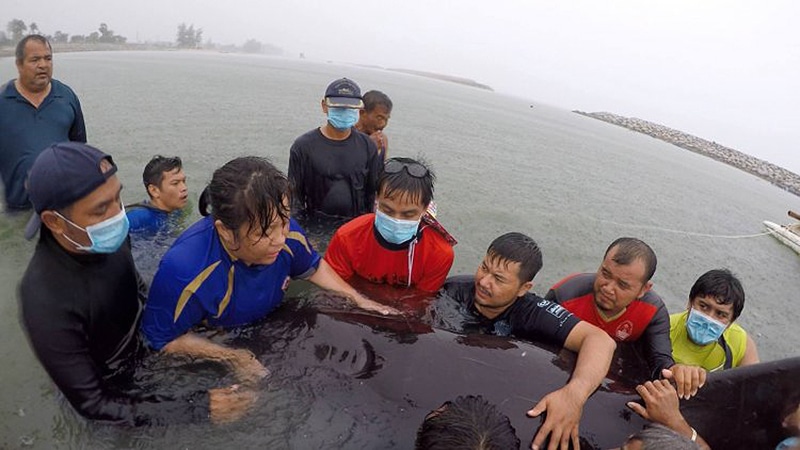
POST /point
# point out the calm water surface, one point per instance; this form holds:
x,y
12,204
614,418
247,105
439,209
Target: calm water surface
x,y
503,164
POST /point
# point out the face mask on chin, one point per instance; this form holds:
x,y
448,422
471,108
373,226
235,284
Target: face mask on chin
x,y
106,236
342,118
703,329
394,230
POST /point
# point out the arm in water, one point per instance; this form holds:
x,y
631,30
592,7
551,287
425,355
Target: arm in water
x,y
565,406
244,363
65,353
327,278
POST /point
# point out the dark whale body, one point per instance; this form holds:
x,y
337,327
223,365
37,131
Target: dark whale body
x,y
375,379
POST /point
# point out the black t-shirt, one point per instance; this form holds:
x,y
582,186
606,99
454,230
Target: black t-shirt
x,y
337,178
81,313
530,317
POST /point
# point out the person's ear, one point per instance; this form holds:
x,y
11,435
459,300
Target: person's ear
x,y
153,190
53,221
524,288
226,234
647,286
324,107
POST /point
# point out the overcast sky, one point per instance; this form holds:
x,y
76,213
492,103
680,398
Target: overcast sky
x,y
727,71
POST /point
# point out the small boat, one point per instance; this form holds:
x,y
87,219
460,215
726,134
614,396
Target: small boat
x,y
787,234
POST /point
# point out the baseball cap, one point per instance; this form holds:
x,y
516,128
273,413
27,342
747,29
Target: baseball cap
x,y
343,93
63,174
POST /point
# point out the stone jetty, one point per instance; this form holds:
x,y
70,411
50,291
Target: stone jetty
x,y
776,175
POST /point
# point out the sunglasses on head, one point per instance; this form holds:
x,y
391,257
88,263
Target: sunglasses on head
x,y
414,169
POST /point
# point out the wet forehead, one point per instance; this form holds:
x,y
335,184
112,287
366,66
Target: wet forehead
x,y
35,48
498,265
400,200
632,273
714,304
174,173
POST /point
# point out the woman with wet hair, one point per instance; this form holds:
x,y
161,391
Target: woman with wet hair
x,y
232,267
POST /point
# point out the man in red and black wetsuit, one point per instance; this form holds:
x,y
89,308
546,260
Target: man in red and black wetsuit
x,y
619,300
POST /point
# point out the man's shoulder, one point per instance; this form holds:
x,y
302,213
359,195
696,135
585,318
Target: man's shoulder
x,y
652,298
576,284
61,88
47,279
531,301
143,210
40,270
434,239
676,317
459,286
8,89
364,139
310,137
735,331
194,247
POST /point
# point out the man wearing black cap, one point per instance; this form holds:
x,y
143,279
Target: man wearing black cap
x,y
35,111
334,168
81,297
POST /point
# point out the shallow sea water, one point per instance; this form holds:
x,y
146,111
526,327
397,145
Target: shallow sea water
x,y
503,164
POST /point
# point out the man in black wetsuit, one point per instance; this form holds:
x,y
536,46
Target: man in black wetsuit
x,y
81,297
497,301
334,168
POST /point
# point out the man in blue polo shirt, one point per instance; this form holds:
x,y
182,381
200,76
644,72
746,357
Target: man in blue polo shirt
x,y
36,111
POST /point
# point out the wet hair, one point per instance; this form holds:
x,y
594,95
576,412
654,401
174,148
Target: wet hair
x,y
418,189
20,50
466,423
247,190
376,98
722,286
155,169
629,250
658,437
519,248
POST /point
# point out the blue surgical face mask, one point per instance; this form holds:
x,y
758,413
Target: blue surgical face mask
x,y
702,329
788,443
394,230
342,118
106,236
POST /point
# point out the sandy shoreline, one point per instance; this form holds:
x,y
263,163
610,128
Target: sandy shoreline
x,y
776,175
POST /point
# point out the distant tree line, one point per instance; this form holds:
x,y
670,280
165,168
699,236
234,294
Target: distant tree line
x,y
187,37
17,29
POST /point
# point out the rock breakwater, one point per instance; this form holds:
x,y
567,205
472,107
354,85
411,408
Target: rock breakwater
x,y
776,175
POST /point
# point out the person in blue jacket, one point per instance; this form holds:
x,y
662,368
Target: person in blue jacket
x,y
232,267
165,183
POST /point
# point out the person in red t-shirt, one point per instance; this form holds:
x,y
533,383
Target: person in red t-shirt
x,y
395,245
618,299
